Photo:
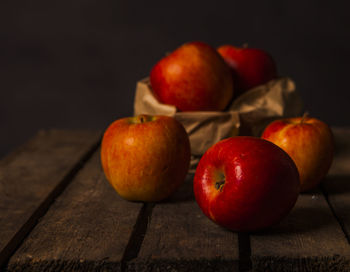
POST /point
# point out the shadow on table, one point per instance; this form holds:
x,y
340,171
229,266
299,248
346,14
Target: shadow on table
x,y
184,193
333,185
300,220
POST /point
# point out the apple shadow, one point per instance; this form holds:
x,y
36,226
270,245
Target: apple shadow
x,y
301,220
184,193
333,185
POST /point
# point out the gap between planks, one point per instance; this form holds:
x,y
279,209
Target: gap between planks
x,y
334,213
244,251
140,228
41,210
137,236
143,223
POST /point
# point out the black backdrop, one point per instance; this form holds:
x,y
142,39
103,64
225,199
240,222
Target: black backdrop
x,y
74,64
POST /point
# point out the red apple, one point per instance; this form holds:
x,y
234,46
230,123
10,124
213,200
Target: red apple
x,y
245,183
250,67
193,78
145,158
309,142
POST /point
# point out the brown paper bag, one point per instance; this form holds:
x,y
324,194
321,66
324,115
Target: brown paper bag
x,y
247,115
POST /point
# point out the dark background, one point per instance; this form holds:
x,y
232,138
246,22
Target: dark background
x,y
74,64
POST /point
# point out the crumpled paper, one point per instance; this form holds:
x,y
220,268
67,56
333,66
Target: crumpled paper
x,y
248,114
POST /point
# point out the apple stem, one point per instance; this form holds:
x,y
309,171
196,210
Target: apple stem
x,y
245,45
142,118
304,117
219,185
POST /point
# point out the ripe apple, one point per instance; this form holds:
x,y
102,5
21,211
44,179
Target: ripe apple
x,y
246,183
145,158
194,77
309,142
250,67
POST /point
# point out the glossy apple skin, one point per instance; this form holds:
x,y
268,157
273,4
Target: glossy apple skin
x,y
194,77
250,67
261,183
309,142
145,158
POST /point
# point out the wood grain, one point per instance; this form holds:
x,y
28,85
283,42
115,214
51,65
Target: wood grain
x,y
86,229
181,238
31,178
308,239
336,186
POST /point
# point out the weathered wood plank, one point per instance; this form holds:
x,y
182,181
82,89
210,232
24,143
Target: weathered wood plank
x,y
81,232
33,176
181,238
337,184
309,239
86,229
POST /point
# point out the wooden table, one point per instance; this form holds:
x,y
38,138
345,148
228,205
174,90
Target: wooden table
x,y
58,213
